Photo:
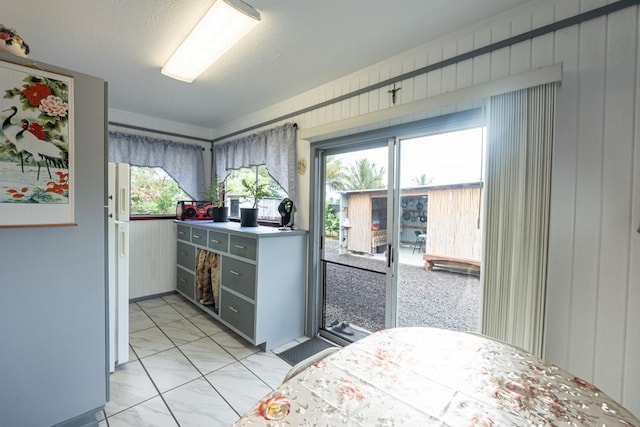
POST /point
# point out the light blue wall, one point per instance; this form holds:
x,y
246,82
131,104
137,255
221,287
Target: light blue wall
x,y
52,291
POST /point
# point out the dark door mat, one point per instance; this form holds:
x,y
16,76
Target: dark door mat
x,y
306,349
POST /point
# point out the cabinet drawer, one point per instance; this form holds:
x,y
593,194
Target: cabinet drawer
x,y
199,236
243,246
184,233
185,283
186,255
218,241
238,313
239,276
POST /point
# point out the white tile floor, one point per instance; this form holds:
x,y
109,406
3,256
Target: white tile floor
x,y
187,369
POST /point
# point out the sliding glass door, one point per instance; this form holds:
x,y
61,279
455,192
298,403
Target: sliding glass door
x,y
398,228
353,262
440,230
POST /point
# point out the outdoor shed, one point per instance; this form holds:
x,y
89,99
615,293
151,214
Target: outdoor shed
x,y
449,217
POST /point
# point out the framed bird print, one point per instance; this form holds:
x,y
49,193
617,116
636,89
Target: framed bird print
x,y
36,147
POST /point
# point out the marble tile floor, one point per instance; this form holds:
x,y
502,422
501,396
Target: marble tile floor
x,y
187,369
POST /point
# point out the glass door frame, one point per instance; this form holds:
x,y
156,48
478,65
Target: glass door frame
x,y
391,137
319,152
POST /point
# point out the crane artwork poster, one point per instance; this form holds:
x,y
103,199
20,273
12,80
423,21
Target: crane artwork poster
x,y
36,147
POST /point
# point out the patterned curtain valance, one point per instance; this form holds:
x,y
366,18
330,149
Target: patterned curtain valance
x,y
275,148
184,162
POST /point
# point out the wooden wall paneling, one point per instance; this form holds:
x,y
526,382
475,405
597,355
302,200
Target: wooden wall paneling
x,y
420,82
449,82
151,244
137,258
617,199
164,274
363,100
338,90
564,182
588,198
434,78
586,5
374,96
383,96
482,63
321,113
464,72
566,9
500,59
138,271
314,115
345,105
542,48
450,72
337,107
325,114
329,109
406,93
521,52
396,70
354,101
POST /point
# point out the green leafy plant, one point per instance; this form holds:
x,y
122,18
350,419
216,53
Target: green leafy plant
x,y
154,192
216,192
331,221
255,191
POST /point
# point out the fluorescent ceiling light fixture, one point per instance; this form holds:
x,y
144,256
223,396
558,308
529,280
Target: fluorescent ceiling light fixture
x,y
220,28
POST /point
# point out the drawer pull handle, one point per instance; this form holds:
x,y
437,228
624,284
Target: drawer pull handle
x,y
183,253
233,309
238,246
195,236
215,241
181,233
182,280
235,273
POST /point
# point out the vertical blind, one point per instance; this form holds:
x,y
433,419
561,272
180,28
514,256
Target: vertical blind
x,y
520,141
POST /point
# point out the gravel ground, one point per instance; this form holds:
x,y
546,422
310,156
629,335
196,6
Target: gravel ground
x,y
425,298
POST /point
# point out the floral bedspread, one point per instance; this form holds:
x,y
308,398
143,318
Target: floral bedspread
x,y
425,376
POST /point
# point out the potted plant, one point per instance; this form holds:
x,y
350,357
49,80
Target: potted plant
x,y
253,191
216,195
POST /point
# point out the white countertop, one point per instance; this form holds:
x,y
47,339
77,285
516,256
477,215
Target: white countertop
x,y
234,227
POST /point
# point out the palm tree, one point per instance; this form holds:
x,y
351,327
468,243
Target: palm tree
x,y
365,176
422,180
334,174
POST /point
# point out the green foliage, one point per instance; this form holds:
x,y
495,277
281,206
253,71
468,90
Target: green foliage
x,y
422,180
234,181
334,174
154,192
364,176
331,221
255,191
216,193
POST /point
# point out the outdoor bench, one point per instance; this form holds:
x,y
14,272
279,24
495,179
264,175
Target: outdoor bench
x,y
450,261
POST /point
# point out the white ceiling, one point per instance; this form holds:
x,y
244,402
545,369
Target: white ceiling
x,y
300,44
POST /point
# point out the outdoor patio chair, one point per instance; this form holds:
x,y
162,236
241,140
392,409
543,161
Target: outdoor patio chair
x,y
419,243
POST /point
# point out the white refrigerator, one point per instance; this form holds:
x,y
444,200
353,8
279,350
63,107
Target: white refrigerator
x,y
118,259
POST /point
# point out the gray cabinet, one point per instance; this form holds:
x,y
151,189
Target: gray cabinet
x,y
262,277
